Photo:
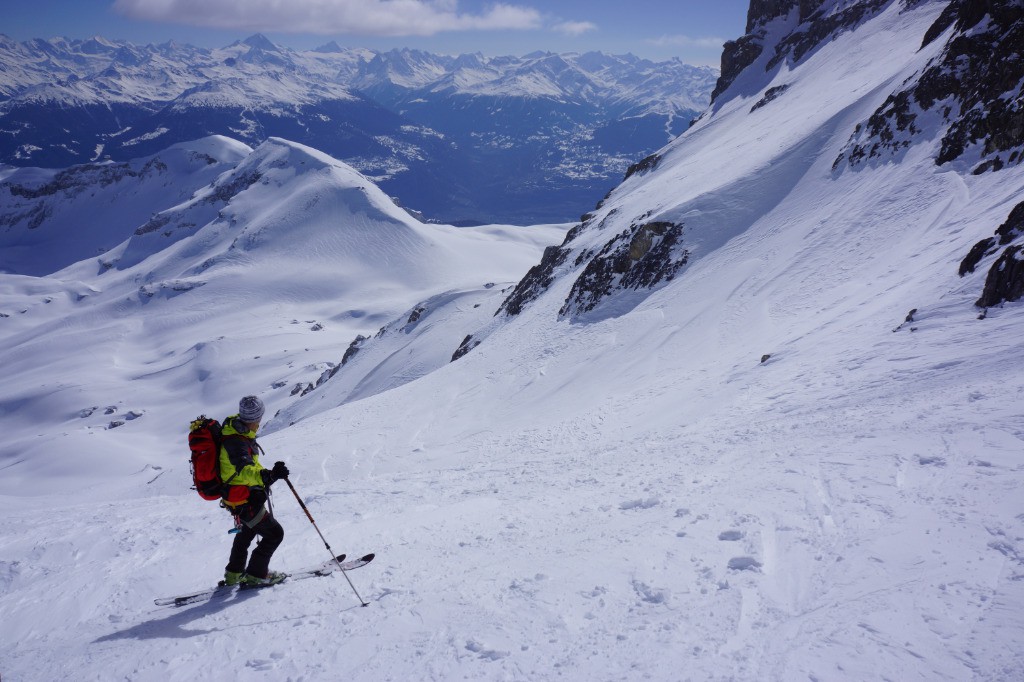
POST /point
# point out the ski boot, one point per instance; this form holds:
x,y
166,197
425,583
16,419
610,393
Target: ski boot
x,y
232,578
272,578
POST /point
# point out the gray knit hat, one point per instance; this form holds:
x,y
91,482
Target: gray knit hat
x,y
250,409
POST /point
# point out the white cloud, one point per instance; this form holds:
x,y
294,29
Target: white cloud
x,y
326,17
687,41
575,28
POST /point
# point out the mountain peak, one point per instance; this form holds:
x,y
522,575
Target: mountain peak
x,y
258,40
97,45
329,48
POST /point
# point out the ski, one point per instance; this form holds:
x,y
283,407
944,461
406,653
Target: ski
x,y
324,569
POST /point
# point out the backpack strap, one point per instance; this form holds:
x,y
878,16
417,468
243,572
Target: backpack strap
x,y
237,471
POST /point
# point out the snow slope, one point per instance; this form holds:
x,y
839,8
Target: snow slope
x,y
758,470
42,216
256,279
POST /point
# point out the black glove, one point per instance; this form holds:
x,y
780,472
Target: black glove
x,y
280,471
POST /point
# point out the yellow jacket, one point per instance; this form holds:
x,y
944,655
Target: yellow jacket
x,y
240,466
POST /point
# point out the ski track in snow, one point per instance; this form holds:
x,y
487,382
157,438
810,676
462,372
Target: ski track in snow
x,y
678,566
678,562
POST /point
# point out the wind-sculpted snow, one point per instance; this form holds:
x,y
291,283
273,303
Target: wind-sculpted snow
x,y
419,342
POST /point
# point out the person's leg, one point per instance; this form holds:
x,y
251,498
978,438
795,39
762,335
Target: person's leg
x,y
271,534
240,550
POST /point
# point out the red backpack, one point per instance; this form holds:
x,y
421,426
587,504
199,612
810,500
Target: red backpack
x,y
204,440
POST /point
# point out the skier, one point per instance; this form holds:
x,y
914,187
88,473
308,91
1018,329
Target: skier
x,y
247,500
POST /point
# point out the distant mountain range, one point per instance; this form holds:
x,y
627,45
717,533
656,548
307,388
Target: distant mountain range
x,y
459,139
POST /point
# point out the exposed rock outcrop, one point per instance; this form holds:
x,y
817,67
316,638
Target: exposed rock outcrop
x,y
820,21
1005,280
468,344
640,257
770,95
643,166
77,179
974,85
738,54
812,23
539,277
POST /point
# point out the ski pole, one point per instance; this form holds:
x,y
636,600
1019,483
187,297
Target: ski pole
x,y
310,517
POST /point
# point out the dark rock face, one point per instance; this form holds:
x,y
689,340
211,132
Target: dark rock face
x,y
1014,225
77,179
815,22
643,166
301,390
944,21
817,25
974,85
978,251
984,68
770,95
646,254
351,351
226,191
1005,280
536,281
468,344
737,55
882,131
414,317
761,12
640,257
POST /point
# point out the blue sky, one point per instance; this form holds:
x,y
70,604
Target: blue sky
x,y
693,30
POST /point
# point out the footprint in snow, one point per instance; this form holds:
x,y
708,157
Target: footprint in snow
x,y
485,653
649,503
731,535
263,664
744,563
649,594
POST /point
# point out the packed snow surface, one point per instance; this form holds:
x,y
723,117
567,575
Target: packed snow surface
x,y
764,470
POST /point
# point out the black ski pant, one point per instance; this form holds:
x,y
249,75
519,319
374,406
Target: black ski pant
x,y
270,533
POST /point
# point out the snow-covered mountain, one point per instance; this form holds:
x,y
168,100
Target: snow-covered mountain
x,y
286,243
52,219
421,134
567,122
755,417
